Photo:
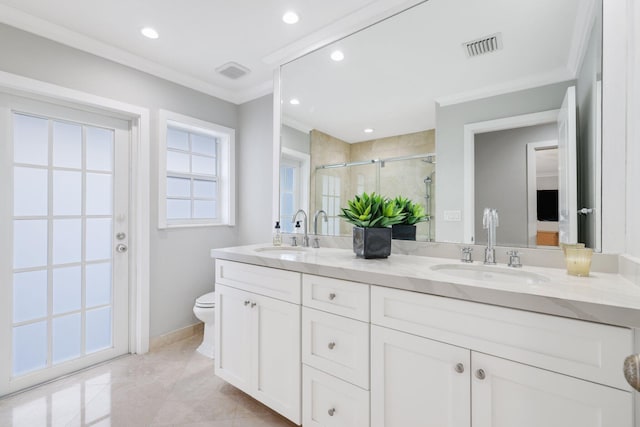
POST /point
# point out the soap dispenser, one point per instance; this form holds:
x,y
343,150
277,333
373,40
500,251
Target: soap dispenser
x,y
277,236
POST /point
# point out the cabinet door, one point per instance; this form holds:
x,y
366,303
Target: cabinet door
x,y
415,381
277,365
507,394
233,337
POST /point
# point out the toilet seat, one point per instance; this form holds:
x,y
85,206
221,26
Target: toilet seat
x,y
206,300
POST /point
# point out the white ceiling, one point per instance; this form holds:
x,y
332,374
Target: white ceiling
x,y
394,72
197,36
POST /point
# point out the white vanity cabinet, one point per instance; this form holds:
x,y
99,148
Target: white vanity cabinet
x,y
335,353
258,334
453,367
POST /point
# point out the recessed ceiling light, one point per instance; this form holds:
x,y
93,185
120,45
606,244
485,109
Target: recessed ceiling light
x,y
290,17
149,33
368,130
337,55
294,101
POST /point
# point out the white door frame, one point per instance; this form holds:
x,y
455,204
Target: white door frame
x,y
470,131
139,194
532,202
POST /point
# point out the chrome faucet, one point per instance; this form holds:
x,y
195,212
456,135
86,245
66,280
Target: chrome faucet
x,y
316,241
305,239
490,222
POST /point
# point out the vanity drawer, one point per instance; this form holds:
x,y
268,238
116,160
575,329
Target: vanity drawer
x,y
336,345
349,299
280,284
328,401
582,349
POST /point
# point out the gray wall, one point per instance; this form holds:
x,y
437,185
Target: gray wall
x,y
501,180
450,121
255,157
295,139
181,268
590,72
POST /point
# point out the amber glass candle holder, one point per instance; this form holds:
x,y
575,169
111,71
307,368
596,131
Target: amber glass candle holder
x,y
578,261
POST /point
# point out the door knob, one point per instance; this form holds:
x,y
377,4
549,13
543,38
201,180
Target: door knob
x,y
480,374
459,368
332,296
632,370
331,345
121,248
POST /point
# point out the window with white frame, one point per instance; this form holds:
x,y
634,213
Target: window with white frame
x,y
196,172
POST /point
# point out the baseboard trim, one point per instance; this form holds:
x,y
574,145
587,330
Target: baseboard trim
x,y
175,336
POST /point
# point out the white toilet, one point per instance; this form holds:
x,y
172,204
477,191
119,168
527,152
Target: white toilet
x,y
204,310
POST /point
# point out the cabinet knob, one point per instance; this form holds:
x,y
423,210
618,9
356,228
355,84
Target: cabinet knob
x,y
332,296
480,374
247,302
459,368
331,345
331,412
253,304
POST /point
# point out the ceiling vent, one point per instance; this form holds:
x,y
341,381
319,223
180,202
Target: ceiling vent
x,y
233,70
483,45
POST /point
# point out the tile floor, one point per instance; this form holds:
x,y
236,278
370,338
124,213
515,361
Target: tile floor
x,y
172,386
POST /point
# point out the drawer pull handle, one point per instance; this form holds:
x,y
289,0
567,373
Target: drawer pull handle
x,y
480,374
331,345
247,302
253,304
332,296
331,412
459,368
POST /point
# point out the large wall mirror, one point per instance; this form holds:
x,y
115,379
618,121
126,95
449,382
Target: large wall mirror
x,y
458,105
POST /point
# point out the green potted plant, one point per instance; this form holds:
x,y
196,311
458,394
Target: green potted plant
x,y
372,216
413,214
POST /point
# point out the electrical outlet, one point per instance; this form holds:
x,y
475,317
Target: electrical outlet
x,y
454,216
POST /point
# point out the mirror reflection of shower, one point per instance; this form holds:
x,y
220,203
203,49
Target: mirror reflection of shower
x,y
428,196
337,182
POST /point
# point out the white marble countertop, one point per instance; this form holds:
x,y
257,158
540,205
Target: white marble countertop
x,y
601,297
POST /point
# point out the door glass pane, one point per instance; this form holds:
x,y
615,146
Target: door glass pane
x,y
177,162
98,335
67,193
29,243
203,144
99,146
29,192
29,347
29,295
67,289
98,239
204,209
30,140
177,139
99,197
204,189
203,165
67,145
98,284
67,334
178,187
67,241
178,209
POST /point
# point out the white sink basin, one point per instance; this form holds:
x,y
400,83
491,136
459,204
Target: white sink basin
x,y
283,251
488,273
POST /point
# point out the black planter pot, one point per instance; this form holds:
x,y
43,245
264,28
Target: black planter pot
x,y
403,232
372,242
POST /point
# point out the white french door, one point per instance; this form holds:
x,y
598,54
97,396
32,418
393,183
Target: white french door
x,y
64,187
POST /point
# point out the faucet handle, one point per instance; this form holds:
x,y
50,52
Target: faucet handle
x,y
514,258
466,254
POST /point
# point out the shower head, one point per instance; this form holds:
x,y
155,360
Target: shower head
x,y
427,180
430,159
